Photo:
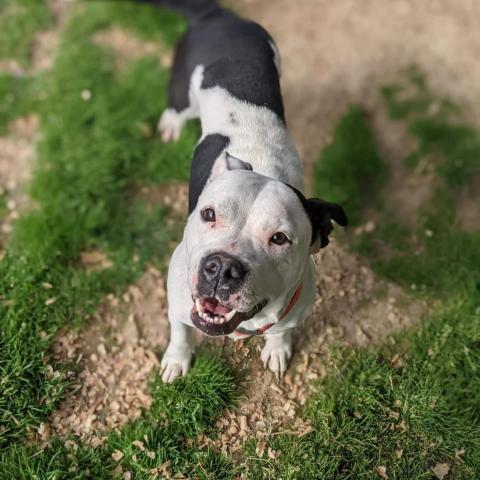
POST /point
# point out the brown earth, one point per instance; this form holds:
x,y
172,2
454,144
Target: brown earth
x,y
334,53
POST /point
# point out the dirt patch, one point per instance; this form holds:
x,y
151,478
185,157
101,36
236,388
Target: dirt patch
x,y
17,153
468,206
128,47
111,362
46,43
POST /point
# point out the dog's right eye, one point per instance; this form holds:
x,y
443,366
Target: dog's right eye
x,y
208,214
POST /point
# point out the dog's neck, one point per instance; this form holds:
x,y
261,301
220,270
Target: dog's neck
x,y
256,135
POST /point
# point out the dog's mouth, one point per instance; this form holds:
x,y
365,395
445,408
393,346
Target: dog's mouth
x,y
214,318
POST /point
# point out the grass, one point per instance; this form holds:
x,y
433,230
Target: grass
x,y
91,155
168,435
20,20
437,126
350,171
415,403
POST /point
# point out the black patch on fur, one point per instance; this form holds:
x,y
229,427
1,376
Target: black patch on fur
x,y
207,151
236,55
233,118
321,214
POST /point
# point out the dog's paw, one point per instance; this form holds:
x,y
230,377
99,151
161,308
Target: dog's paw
x,y
174,364
170,125
276,357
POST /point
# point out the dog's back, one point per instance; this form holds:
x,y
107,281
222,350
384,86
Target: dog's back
x,y
237,55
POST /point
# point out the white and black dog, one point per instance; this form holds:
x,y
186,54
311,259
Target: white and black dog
x,y
244,265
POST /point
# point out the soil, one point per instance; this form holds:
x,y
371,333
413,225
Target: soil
x,y
128,47
335,53
17,152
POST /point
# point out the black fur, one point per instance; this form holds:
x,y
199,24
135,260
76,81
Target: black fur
x,y
236,55
204,157
321,214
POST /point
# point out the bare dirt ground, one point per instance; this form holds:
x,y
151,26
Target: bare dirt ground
x,y
334,53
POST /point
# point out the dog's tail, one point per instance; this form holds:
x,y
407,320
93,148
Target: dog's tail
x,y
192,10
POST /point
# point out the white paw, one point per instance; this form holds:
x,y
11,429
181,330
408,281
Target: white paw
x,y
170,125
276,357
174,364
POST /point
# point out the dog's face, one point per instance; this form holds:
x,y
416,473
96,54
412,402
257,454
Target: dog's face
x,y
248,242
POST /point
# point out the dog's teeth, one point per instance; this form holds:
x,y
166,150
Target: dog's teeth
x,y
217,319
230,315
198,305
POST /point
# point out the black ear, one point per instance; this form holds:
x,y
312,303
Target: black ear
x,y
321,214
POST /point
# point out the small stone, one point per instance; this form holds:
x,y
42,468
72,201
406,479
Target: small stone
x,y
382,471
370,226
117,455
440,470
86,95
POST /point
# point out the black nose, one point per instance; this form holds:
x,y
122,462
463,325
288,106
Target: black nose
x,y
221,270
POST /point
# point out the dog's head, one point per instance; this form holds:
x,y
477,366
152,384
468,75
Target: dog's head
x,y
248,241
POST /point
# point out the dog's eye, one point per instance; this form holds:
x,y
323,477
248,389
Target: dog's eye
x,y
208,214
279,238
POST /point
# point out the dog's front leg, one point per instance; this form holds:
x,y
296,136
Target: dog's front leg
x,y
177,357
277,352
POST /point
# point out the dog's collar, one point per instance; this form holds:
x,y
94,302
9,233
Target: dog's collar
x,y
243,332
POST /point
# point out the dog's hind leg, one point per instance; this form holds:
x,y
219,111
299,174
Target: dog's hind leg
x,y
182,101
172,122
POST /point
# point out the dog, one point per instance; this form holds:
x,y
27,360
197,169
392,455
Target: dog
x,y
244,266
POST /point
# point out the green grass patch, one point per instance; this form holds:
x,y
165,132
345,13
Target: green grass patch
x,y
20,20
168,434
147,21
18,96
94,148
435,123
350,170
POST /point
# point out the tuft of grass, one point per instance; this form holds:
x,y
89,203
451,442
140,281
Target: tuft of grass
x,y
350,170
95,147
168,435
20,20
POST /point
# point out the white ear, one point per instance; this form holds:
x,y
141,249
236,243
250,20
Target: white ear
x,y
228,162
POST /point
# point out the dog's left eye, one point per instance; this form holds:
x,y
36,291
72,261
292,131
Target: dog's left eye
x,y
279,238
208,214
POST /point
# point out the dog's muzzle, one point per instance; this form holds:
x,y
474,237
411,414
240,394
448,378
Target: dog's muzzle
x,y
214,318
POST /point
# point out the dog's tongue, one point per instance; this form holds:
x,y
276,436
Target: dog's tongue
x,y
221,310
212,305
